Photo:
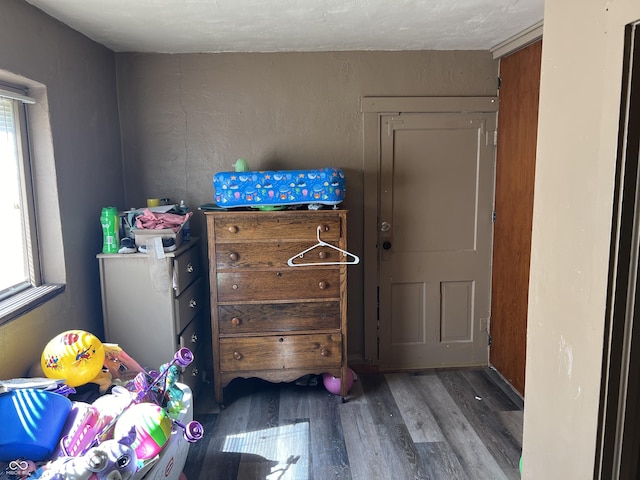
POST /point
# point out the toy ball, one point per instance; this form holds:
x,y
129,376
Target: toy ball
x,y
332,384
74,356
152,426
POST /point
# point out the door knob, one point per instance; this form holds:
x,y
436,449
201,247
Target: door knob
x,y
385,226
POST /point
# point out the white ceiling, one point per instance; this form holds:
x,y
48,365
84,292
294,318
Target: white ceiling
x,y
198,26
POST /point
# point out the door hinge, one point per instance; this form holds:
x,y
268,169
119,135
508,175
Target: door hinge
x,y
484,324
493,216
499,82
489,339
491,138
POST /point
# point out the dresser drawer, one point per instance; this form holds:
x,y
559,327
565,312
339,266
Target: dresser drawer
x,y
280,352
188,304
279,285
186,269
287,226
278,317
252,255
191,337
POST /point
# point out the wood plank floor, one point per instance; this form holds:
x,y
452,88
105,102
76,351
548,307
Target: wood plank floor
x,y
438,424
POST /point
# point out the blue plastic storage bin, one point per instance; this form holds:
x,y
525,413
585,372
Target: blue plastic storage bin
x,y
31,423
256,189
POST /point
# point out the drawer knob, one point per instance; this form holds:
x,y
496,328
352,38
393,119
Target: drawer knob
x,y
233,256
194,372
324,352
190,268
281,339
322,254
236,321
237,355
323,228
234,286
194,338
193,303
233,229
322,285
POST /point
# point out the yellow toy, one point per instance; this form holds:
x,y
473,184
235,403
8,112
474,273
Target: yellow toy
x,y
74,356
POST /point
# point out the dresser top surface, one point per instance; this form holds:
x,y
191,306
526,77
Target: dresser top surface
x,y
181,249
275,212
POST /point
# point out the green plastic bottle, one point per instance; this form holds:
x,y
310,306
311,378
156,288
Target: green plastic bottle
x,y
109,220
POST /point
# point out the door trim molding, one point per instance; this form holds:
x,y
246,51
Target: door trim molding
x,y
518,41
428,104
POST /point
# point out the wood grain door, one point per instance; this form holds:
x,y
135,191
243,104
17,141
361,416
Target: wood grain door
x,y
436,198
515,169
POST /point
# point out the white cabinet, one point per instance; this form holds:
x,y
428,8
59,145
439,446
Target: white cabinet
x,y
154,306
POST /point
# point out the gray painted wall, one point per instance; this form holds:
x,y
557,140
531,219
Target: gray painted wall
x,y
186,117
80,79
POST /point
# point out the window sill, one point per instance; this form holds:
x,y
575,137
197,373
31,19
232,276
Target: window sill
x,y
22,302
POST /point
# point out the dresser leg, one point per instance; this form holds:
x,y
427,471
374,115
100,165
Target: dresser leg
x,y
217,391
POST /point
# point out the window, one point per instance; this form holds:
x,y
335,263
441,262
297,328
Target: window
x,y
21,284
18,273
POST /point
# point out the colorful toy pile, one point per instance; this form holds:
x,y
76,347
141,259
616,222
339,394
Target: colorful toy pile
x,y
123,434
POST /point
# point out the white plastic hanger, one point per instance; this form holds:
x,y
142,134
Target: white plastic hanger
x,y
322,243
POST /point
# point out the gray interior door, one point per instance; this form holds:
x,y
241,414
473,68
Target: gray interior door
x,y
434,241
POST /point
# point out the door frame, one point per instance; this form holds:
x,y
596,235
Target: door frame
x,y
515,178
373,108
618,440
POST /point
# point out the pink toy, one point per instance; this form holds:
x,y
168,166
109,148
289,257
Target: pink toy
x,y
81,427
111,405
332,384
120,365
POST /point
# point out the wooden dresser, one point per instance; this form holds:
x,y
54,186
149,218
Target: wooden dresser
x,y
153,308
269,319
